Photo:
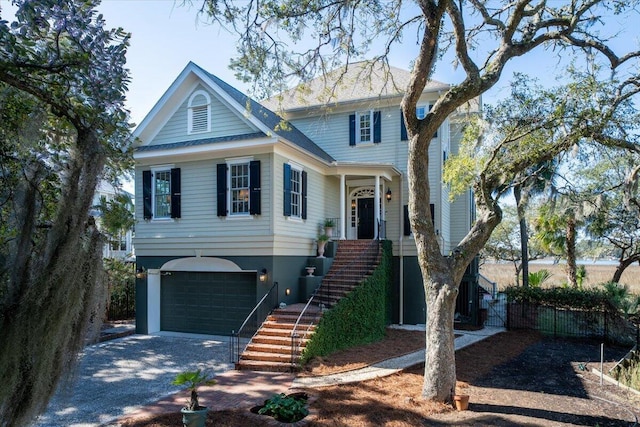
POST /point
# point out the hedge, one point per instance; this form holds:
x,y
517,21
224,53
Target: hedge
x,y
359,318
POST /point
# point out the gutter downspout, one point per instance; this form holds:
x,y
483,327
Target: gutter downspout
x,y
401,252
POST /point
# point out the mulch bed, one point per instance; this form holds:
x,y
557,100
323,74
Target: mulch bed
x,y
513,378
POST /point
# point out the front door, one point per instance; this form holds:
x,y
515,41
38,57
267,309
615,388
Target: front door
x,y
365,218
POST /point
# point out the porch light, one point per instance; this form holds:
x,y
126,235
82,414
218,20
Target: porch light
x,y
388,194
263,275
353,203
141,273
287,291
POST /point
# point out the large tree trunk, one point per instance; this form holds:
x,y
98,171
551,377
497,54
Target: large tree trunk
x,y
572,268
440,367
56,297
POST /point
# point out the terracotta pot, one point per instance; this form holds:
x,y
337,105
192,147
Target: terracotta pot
x,y
461,401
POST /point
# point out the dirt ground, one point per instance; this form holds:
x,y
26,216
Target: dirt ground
x,y
513,379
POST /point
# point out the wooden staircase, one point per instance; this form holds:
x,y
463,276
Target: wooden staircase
x,y
270,349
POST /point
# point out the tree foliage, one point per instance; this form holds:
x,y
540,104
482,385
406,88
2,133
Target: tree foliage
x,y
289,39
62,84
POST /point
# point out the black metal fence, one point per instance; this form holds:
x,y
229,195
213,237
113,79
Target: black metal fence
x,y
609,326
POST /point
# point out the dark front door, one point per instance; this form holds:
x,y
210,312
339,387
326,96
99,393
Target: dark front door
x,y
365,218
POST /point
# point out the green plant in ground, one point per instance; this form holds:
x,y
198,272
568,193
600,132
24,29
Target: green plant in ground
x,y
536,279
286,409
193,379
359,318
628,372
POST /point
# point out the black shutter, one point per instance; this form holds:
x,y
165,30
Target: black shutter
x,y
432,208
176,207
304,195
286,185
147,212
407,223
254,187
377,127
221,182
403,128
352,129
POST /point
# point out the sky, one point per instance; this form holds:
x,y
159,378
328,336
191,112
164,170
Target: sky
x,y
166,36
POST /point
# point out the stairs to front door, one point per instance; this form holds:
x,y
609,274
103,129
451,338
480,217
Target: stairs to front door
x,y
271,348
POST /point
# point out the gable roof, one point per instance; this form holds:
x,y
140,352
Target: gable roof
x,y
356,82
266,120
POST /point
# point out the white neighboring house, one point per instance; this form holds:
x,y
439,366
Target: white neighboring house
x,y
121,248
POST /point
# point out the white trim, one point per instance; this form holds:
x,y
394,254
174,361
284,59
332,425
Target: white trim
x,y
297,168
358,135
153,300
237,160
190,108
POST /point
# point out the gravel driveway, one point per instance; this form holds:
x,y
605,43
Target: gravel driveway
x,y
115,377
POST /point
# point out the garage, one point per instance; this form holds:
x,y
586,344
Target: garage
x,y
206,302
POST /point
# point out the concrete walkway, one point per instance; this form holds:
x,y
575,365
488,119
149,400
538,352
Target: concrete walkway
x,y
390,366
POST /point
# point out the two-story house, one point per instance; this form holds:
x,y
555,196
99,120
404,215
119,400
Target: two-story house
x,y
231,197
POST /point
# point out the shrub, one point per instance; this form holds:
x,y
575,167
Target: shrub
x,y
286,409
359,318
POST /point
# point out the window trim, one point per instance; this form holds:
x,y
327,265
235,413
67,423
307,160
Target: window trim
x,y
190,108
299,170
359,128
155,170
236,162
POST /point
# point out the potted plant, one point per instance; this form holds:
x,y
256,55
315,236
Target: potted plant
x,y
322,241
328,227
193,415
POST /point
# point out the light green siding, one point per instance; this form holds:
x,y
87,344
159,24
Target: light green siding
x,y
199,227
224,122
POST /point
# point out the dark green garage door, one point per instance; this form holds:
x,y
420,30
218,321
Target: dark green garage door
x,y
206,303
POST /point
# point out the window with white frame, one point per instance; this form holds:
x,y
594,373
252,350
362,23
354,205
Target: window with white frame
x,y
162,194
199,112
296,192
364,129
239,188
421,112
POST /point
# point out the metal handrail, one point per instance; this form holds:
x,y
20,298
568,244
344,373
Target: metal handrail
x,y
493,285
235,336
294,333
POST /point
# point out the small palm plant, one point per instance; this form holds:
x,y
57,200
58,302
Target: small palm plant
x,y
536,279
193,379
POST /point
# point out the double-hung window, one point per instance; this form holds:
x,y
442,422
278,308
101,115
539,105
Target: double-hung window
x,y
365,127
161,193
365,124
295,191
239,189
238,192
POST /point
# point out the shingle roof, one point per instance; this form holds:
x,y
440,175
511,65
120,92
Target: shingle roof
x,y
360,81
200,142
270,119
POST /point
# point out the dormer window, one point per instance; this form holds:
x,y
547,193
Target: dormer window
x,y
199,113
